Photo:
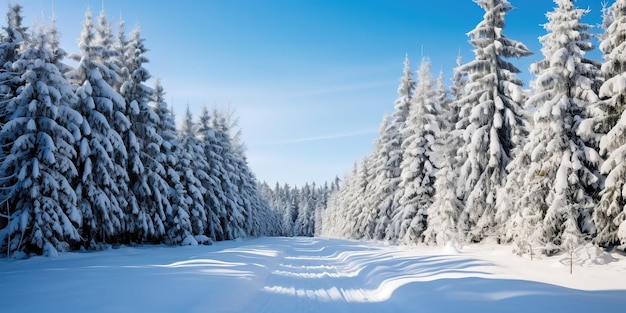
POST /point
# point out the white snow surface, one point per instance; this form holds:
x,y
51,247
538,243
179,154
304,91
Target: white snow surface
x,y
313,275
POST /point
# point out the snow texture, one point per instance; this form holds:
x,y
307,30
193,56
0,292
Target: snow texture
x,y
313,275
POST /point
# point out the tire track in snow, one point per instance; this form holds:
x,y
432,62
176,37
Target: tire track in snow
x,y
308,278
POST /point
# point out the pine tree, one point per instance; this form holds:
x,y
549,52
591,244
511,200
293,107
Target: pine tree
x,y
101,151
609,122
193,168
554,174
418,170
493,120
16,35
305,223
443,214
228,172
178,223
360,212
389,156
374,195
41,133
147,176
451,112
216,199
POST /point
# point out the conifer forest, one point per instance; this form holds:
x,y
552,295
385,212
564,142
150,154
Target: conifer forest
x,y
92,156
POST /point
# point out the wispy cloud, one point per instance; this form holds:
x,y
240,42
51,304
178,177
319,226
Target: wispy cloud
x,y
339,89
322,138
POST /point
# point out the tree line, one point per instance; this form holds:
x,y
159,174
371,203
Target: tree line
x,y
485,159
90,155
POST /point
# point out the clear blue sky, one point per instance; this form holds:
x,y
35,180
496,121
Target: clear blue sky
x,y
309,79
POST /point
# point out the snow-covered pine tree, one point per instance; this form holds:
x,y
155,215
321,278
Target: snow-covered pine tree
x,y
337,220
254,208
443,214
146,175
15,35
272,220
389,156
38,170
230,174
493,120
554,173
375,194
359,210
109,54
178,224
54,39
418,170
304,225
609,121
193,168
102,177
445,102
217,202
286,209
451,113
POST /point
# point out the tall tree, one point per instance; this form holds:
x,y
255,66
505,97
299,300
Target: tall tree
x,y
146,175
39,168
443,214
216,199
232,181
178,220
494,121
555,173
389,157
608,120
193,168
418,170
15,35
101,151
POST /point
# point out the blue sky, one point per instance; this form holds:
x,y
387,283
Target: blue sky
x,y
309,79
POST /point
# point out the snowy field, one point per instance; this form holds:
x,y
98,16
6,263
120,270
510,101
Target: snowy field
x,y
312,275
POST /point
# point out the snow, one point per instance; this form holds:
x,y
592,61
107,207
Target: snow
x,y
313,275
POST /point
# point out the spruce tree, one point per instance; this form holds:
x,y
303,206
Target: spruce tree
x,y
554,174
492,118
178,223
389,157
418,170
443,214
101,152
609,122
39,168
192,169
15,35
146,175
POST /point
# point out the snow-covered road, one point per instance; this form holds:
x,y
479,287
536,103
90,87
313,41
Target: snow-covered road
x,y
307,275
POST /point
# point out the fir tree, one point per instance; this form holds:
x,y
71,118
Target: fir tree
x,y
193,168
418,170
443,214
101,152
39,168
147,176
178,223
608,121
389,157
492,118
554,174
15,35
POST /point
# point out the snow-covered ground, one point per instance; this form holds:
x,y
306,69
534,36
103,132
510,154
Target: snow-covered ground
x,y
313,275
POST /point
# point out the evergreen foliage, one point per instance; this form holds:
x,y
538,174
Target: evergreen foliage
x,y
92,157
